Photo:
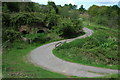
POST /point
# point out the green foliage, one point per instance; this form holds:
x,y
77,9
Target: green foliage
x,y
93,10
10,35
53,36
6,19
51,20
42,37
67,27
38,37
70,6
27,7
73,14
100,50
105,15
10,6
52,5
44,9
31,14
66,12
45,15
81,9
19,19
62,20
20,7
5,8
15,64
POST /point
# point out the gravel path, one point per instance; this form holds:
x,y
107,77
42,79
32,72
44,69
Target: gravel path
x,y
43,57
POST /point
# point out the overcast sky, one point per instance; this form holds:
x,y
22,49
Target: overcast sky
x,y
85,3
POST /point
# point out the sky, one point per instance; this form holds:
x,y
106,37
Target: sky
x,y
85,3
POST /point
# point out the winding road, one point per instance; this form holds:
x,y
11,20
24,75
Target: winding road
x,y
43,57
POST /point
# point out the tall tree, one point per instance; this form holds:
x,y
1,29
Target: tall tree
x,y
82,9
11,6
52,5
105,15
70,6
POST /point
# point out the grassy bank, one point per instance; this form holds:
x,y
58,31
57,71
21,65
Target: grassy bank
x,y
100,49
15,64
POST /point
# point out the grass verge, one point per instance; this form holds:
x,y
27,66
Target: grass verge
x,y
100,49
15,64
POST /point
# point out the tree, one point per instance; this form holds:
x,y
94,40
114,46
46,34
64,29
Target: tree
x,y
11,6
67,11
81,9
64,11
52,5
93,11
70,6
20,7
67,27
51,19
105,15
5,8
74,14
29,7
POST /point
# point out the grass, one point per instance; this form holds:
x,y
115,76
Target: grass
x,y
15,64
100,49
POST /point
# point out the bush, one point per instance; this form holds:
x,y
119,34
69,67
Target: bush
x,y
67,27
99,49
6,19
53,36
38,37
19,19
8,37
105,15
51,20
42,37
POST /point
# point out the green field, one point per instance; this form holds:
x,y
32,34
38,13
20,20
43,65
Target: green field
x,y
16,65
100,49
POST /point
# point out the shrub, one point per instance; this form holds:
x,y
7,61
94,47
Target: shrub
x,y
67,27
101,48
19,19
53,36
104,15
6,19
51,20
9,35
37,37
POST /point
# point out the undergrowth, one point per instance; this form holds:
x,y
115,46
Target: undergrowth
x,y
100,49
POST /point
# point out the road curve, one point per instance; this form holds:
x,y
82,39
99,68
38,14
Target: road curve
x,y
43,57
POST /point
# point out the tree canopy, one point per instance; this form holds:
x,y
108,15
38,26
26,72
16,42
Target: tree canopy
x,y
105,15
